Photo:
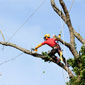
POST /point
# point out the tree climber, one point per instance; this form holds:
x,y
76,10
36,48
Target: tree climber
x,y
55,47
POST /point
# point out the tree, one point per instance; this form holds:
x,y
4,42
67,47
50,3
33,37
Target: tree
x,y
66,18
79,70
77,63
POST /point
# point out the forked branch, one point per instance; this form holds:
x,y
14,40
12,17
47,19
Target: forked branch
x,y
67,20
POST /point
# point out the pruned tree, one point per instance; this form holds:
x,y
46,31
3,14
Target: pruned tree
x,y
76,63
73,34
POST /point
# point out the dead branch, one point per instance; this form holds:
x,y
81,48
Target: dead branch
x,y
59,12
66,18
38,56
79,37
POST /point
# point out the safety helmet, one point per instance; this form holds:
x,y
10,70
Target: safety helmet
x,y
46,36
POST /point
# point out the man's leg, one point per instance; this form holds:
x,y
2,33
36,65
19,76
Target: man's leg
x,y
57,50
52,53
61,54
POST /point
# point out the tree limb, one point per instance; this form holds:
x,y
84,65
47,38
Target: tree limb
x,y
38,56
66,20
56,9
79,37
73,33
64,8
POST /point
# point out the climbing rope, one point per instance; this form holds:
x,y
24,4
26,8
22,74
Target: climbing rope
x,y
65,55
2,35
18,30
69,12
27,19
14,58
3,38
61,31
71,5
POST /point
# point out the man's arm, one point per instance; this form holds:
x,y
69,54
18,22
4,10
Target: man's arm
x,y
39,45
59,36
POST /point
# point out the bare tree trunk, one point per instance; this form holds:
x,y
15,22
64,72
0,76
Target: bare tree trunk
x,y
68,22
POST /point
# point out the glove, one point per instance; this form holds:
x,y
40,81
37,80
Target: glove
x,y
35,49
59,36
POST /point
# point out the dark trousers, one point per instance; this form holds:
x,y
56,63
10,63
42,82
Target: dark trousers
x,y
56,49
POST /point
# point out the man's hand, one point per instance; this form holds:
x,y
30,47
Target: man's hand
x,y
35,49
59,36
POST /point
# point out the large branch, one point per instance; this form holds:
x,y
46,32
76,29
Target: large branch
x,y
38,56
66,20
79,37
59,12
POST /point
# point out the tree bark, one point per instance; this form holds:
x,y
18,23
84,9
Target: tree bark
x,y
66,18
38,56
71,48
79,37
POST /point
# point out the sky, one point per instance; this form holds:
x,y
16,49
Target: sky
x,y
27,70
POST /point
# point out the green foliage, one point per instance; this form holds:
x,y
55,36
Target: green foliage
x,y
47,56
78,69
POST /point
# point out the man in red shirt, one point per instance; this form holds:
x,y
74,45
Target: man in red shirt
x,y
55,47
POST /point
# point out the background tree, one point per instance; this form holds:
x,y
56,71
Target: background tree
x,y
79,70
66,18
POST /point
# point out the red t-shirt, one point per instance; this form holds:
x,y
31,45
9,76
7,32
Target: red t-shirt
x,y
50,41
